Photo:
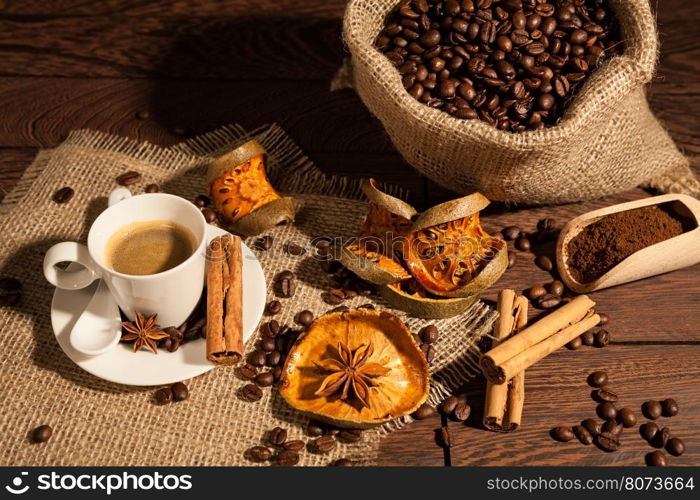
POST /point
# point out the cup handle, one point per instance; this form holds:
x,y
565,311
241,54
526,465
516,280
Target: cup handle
x,y
117,195
69,251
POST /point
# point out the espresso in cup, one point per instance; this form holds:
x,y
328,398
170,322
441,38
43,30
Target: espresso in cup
x,y
149,247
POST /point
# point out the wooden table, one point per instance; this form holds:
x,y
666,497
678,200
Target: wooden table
x,y
69,64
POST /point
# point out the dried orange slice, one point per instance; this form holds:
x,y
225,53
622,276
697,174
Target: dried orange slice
x,y
410,297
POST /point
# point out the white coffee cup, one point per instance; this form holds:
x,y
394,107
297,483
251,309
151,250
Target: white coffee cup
x,y
172,294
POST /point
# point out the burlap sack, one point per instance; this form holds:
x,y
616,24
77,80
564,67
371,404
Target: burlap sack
x,y
608,141
100,423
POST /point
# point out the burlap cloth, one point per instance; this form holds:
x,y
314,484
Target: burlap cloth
x,y
101,423
608,141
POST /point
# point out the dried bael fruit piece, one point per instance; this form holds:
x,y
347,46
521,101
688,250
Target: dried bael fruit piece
x,y
242,194
409,296
375,254
448,252
355,368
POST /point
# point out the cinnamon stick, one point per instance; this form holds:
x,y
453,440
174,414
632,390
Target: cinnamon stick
x,y
535,342
225,301
504,403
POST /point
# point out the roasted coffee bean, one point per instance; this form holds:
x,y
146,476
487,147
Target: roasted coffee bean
x,y
260,453
548,301
264,379
143,114
587,337
575,344
429,334
180,391
264,242
202,200
277,436
652,409
63,195
445,437
604,319
287,458
607,441
648,430
556,287
546,224
274,307
424,411
209,215
461,412
669,407
152,188
562,434
612,427
350,435
164,395
656,459
314,429
10,291
675,446
286,288
601,338
305,318
273,359
544,263
325,444
248,371
448,405
42,434
128,178
605,395
535,292
296,445
582,434
251,392
661,438
267,344
627,417
179,130
342,462
598,379
257,358
428,351
591,425
522,244
512,258
294,249
606,411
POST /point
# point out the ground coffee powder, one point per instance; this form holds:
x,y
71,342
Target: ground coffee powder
x,y
602,245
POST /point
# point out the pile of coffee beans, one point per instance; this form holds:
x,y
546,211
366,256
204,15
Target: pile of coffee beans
x,y
455,409
343,284
514,64
175,393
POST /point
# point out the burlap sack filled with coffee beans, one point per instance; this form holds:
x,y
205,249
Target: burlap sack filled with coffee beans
x,y
608,140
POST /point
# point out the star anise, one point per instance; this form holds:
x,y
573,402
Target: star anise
x,y
143,331
350,374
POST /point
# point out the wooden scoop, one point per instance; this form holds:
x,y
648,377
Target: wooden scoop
x,y
675,253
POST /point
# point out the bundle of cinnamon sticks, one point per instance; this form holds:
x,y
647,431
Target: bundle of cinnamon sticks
x,y
225,301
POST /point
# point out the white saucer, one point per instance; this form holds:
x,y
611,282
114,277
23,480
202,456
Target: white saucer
x,y
123,366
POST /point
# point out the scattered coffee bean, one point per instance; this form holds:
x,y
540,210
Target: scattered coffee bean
x,y
669,407
587,337
656,459
612,427
604,319
512,258
556,287
510,232
267,344
547,224
274,307
350,435
128,178
575,344
522,244
652,409
264,242
10,291
287,458
548,301
63,195
248,371
260,453
544,263
598,379
42,434
591,425
675,446
562,434
180,391
429,334
342,462
582,434
294,249
607,441
535,292
209,215
648,430
277,436
461,412
264,379
314,429
448,405
273,359
605,394
164,395
428,351
445,437
296,445
424,411
257,358
661,438
325,444
601,338
152,188
305,318
143,114
202,200
627,417
251,392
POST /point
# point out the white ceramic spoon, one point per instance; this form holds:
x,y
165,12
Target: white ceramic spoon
x,y
98,328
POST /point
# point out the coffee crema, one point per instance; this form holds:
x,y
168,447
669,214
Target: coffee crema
x,y
149,247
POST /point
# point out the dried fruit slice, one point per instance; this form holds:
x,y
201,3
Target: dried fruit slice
x,y
242,193
410,297
448,252
355,369
375,254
